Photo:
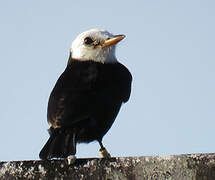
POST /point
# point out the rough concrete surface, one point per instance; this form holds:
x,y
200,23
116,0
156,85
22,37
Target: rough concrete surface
x,y
182,167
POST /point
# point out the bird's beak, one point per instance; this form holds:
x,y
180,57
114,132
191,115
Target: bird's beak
x,y
113,40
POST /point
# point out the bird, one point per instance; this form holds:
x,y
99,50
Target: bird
x,y
87,96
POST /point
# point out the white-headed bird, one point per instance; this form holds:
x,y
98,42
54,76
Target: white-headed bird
x,y
87,96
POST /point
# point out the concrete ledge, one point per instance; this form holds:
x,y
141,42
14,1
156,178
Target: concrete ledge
x,y
182,167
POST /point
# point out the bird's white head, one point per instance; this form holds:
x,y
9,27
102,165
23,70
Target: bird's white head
x,y
96,45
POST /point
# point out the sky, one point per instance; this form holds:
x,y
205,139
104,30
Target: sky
x,y
169,49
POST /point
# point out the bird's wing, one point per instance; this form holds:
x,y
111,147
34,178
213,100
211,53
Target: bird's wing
x,y
85,89
121,79
126,83
71,98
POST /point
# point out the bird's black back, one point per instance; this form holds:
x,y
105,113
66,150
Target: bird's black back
x,y
87,97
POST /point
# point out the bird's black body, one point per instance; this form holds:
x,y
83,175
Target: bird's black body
x,y
84,104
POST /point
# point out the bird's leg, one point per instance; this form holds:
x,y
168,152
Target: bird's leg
x,y
104,153
71,158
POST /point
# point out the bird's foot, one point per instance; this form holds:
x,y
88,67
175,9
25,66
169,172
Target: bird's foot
x,y
104,153
71,159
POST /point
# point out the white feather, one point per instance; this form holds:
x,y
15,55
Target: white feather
x,y
82,52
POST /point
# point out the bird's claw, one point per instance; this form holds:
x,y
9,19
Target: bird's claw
x,y
104,153
71,159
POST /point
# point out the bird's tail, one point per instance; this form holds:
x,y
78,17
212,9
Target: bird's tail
x,y
60,144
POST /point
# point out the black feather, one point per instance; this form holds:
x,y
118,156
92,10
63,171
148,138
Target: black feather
x,y
84,104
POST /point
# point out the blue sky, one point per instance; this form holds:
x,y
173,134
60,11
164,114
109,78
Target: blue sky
x,y
169,48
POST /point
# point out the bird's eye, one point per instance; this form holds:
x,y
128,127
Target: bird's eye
x,y
88,41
